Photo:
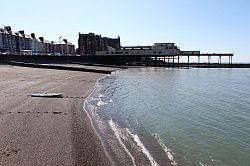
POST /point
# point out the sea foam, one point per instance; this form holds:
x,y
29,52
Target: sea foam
x,y
122,132
168,151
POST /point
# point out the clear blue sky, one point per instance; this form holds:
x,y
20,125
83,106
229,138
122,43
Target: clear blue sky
x,y
206,25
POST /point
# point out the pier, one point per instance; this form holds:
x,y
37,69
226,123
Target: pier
x,y
122,61
169,60
165,54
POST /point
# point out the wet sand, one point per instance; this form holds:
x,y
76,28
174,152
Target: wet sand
x,y
47,131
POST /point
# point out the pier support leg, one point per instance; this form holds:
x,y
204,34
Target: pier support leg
x,y
173,61
178,61
199,61
164,61
188,61
220,60
230,61
208,60
168,61
155,61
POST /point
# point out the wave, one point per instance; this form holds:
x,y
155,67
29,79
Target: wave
x,y
168,151
122,145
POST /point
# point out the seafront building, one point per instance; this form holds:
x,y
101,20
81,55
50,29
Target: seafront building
x,y
64,47
89,44
23,44
1,41
101,49
156,49
159,53
92,44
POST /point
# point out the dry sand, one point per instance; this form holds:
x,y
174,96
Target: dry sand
x,y
47,131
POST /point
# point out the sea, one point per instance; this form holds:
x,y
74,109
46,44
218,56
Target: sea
x,y
174,116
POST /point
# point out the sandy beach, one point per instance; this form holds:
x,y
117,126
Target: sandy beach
x,y
47,131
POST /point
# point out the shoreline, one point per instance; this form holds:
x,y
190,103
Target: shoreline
x,y
91,120
123,145
38,131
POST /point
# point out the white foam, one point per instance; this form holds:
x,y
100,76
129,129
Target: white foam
x,y
116,131
92,99
119,134
168,151
143,148
100,103
92,113
101,95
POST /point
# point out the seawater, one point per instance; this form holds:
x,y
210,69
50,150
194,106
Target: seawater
x,y
190,116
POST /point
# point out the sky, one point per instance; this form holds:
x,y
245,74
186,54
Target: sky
x,y
211,26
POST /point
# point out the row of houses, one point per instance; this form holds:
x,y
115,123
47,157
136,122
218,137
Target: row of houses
x,y
20,43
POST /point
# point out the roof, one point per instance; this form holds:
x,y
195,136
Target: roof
x,y
47,41
162,44
18,34
62,43
27,36
70,43
13,34
5,31
59,43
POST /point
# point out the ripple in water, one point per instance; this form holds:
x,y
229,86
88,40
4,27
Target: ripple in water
x,y
192,117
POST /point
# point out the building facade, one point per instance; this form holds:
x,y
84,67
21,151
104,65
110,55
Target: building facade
x,y
155,49
6,40
64,48
1,41
34,44
90,43
20,43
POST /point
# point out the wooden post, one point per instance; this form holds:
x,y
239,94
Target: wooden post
x,y
188,61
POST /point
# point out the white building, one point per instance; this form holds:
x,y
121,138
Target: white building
x,y
156,49
34,46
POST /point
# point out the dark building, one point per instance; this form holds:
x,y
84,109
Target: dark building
x,y
7,39
112,42
90,43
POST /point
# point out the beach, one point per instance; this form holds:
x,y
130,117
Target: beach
x,y
47,131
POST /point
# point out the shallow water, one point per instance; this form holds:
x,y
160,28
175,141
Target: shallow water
x,y
198,116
